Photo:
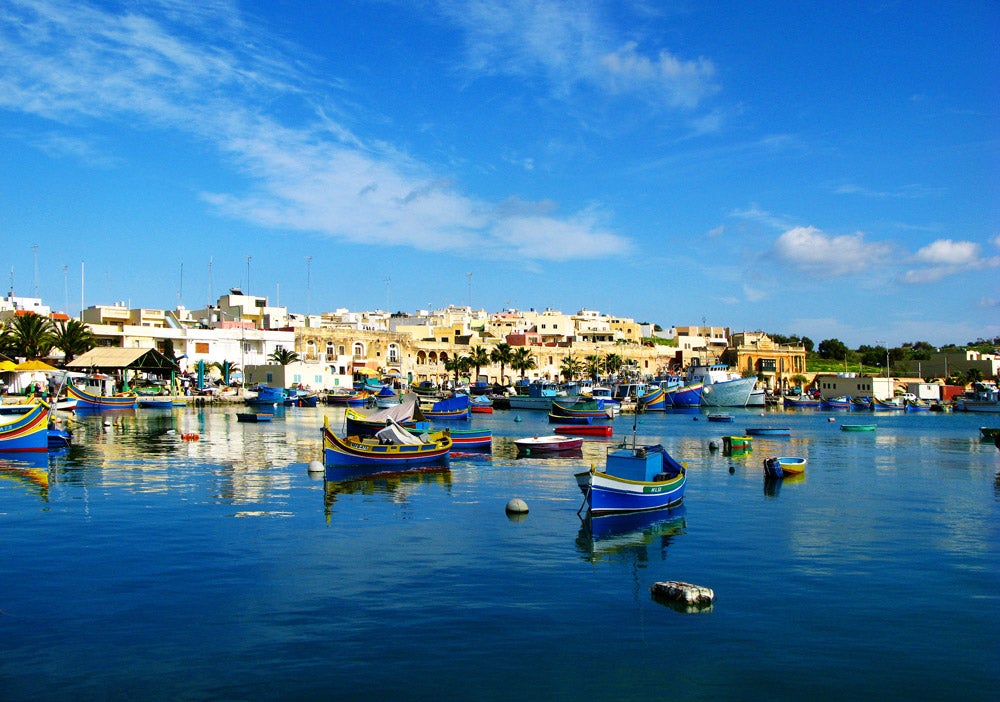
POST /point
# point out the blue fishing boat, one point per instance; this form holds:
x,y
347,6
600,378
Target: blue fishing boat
x,y
457,407
633,480
88,400
407,413
655,400
835,403
393,448
768,431
266,396
470,439
685,397
25,432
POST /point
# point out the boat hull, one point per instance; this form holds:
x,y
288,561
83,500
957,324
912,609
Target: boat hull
x,y
588,430
469,439
728,393
354,451
606,494
547,444
768,431
86,400
26,432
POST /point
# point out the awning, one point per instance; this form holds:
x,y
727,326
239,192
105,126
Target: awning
x,y
7,366
34,365
365,371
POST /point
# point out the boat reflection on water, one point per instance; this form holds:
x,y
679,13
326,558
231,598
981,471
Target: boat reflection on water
x,y
397,486
629,536
772,486
29,469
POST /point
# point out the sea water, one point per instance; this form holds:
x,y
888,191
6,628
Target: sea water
x,y
145,563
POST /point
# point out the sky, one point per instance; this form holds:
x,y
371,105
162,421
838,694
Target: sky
x,y
830,172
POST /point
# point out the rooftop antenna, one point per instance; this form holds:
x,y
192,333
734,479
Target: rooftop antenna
x,y
469,275
209,301
388,304
66,287
248,274
180,289
34,250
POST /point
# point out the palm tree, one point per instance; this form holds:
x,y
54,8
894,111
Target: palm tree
x,y
571,367
593,366
73,338
226,368
458,365
613,363
31,336
478,357
522,360
283,356
502,354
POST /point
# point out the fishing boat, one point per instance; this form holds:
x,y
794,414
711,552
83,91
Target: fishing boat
x,y
407,414
155,403
686,396
457,407
731,444
721,418
587,430
583,407
722,387
551,444
783,466
989,433
982,398
58,438
348,398
584,420
768,431
538,395
393,448
254,416
895,404
26,432
861,403
654,400
425,387
265,396
857,427
800,402
481,404
916,405
87,400
835,403
470,439
633,480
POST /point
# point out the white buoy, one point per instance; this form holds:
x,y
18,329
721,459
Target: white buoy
x,y
315,467
517,506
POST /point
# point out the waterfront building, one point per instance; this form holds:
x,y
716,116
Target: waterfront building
x,y
775,364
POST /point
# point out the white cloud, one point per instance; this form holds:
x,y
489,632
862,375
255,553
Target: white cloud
x,y
944,257
571,45
810,250
204,75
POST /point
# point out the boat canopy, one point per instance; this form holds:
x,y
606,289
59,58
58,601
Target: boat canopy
x,y
407,410
397,435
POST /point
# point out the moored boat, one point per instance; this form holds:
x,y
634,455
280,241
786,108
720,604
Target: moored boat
x,y
254,416
393,448
26,432
457,407
87,400
857,427
783,466
768,431
800,402
470,439
721,418
589,430
722,387
551,444
686,396
633,480
982,398
407,413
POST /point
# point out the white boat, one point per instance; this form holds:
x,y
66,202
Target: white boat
x,y
722,387
982,398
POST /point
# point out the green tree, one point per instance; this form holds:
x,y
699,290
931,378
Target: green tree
x,y
593,366
226,368
613,363
478,357
502,354
832,348
73,338
458,365
283,356
31,336
521,360
571,367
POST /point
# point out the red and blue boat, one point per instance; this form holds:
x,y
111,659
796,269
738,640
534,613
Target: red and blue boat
x,y
655,400
685,396
26,432
392,449
87,400
470,439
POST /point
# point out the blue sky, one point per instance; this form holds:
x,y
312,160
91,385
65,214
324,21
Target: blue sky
x,y
830,171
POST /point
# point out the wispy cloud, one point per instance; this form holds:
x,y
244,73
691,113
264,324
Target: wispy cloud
x,y
754,213
810,250
573,47
905,192
945,257
196,69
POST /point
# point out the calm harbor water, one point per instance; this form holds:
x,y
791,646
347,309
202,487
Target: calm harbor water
x,y
141,565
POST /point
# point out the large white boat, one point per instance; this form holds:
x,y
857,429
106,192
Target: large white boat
x,y
982,398
723,387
